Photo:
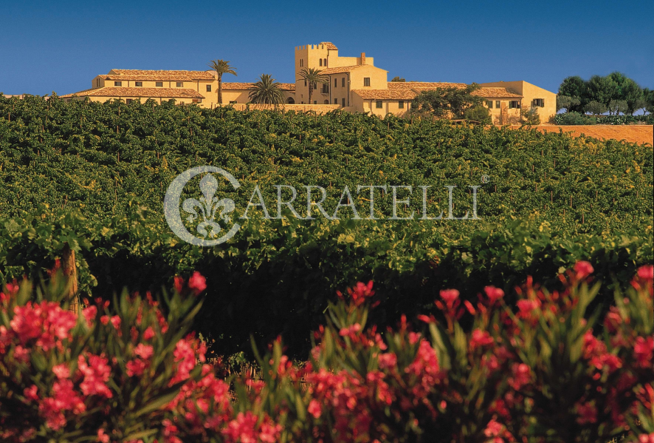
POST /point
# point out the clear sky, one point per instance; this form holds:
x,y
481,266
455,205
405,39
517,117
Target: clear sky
x,y
60,46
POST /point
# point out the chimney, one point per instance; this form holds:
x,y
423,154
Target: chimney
x,y
363,58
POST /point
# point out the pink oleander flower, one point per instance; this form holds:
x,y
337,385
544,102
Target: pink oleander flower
x,y
480,339
449,296
135,367
144,351
521,376
102,437
646,272
148,334
587,413
643,351
31,393
96,373
494,294
314,408
61,371
197,283
89,314
583,269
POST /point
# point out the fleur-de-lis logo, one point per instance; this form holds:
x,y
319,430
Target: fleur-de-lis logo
x,y
207,210
208,205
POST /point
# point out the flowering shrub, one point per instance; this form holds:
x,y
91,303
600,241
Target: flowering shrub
x,y
546,370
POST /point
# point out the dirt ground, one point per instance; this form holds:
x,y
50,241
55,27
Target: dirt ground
x,y
631,133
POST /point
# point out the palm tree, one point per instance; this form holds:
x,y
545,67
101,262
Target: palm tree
x,y
313,76
221,67
267,91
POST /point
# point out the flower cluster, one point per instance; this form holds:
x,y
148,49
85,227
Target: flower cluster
x,y
537,369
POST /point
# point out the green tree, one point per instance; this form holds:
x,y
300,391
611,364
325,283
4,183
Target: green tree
x,y
595,108
266,91
566,102
448,102
574,87
221,67
602,89
648,97
313,76
618,106
398,79
478,113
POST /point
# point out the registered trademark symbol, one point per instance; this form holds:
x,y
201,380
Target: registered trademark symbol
x,y
485,178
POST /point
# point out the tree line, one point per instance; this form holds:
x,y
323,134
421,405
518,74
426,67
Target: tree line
x,y
615,93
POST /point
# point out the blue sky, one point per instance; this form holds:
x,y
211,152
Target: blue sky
x,y
60,46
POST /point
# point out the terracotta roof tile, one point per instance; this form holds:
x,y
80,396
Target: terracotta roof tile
x,y
491,92
137,92
424,85
385,94
151,75
329,45
244,86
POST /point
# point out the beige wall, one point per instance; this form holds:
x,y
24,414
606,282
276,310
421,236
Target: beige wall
x,y
530,92
496,112
310,56
388,106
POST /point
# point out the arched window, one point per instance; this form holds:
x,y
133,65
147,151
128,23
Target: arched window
x,y
320,62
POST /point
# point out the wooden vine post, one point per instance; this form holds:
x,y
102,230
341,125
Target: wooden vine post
x,y
70,275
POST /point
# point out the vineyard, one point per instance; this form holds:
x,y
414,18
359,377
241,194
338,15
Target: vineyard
x,y
475,350
94,176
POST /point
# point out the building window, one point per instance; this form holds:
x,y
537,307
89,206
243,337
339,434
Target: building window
x,y
343,82
180,84
325,62
326,102
320,62
343,102
208,88
129,100
159,84
301,63
335,82
138,84
497,104
118,83
379,104
400,104
335,101
540,102
366,81
489,103
305,83
514,104
315,102
325,88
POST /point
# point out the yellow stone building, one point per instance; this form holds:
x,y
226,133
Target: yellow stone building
x,y
354,84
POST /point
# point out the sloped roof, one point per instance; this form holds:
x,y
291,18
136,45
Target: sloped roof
x,y
424,85
329,45
137,92
152,75
491,92
231,86
385,94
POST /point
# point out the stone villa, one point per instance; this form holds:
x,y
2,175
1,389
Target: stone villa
x,y
355,85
